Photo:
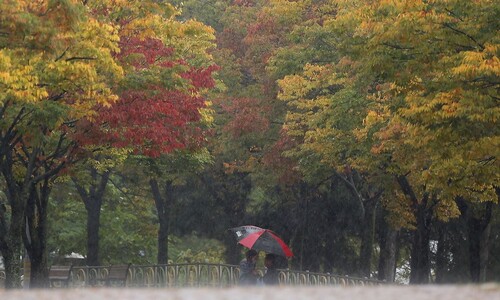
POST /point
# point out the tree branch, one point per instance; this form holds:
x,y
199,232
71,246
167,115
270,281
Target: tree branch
x,y
80,58
102,184
62,54
81,190
398,46
465,34
354,190
453,14
406,188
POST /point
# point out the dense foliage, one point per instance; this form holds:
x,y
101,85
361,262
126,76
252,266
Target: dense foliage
x,y
364,132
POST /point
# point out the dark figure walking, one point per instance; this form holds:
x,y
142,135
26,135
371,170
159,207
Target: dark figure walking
x,y
271,276
248,273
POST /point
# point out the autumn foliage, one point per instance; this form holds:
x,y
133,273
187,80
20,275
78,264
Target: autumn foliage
x,y
159,104
394,101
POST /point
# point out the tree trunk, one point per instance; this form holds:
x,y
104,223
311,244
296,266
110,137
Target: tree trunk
x,y
368,200
36,235
304,264
420,252
11,247
39,266
93,226
387,259
479,233
93,199
28,224
11,242
163,206
163,241
441,255
367,237
484,246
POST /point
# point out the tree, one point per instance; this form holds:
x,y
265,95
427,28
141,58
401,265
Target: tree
x,y
408,65
435,105
161,104
54,72
128,228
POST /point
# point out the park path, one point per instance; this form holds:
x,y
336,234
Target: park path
x,y
427,292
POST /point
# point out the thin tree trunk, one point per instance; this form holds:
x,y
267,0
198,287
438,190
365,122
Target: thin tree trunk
x,y
367,237
305,196
163,206
441,254
484,246
474,247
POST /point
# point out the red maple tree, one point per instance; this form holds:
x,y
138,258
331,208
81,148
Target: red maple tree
x,y
159,102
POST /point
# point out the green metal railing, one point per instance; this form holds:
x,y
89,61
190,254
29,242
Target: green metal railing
x,y
199,275
172,275
306,278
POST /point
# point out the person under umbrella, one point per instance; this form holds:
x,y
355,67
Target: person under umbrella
x,y
260,239
271,276
248,273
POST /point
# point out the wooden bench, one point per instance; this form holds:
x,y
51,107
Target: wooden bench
x,y
59,276
117,275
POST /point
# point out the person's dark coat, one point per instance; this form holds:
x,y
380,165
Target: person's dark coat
x,y
271,277
247,273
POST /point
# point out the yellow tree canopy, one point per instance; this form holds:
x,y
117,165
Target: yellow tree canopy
x,y
424,77
52,51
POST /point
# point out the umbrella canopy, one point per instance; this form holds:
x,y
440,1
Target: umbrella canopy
x,y
260,239
242,231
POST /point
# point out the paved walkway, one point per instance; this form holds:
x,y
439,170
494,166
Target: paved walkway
x,y
428,292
